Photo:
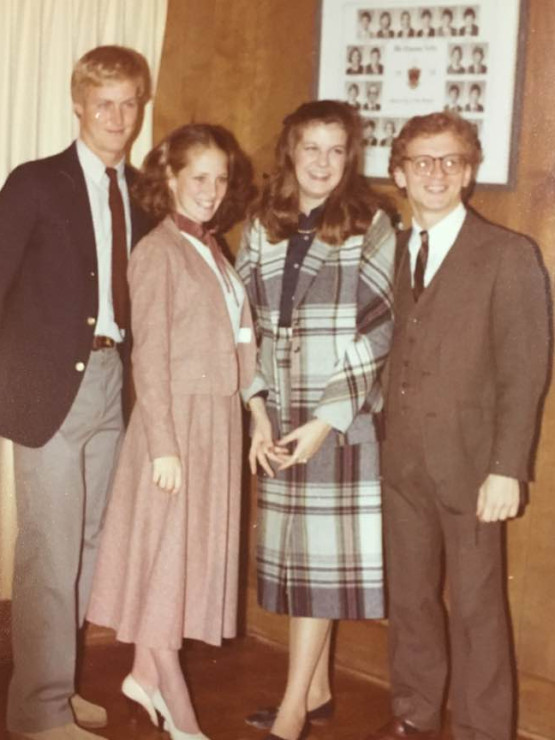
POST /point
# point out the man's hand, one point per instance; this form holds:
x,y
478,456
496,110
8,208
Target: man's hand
x,y
498,499
166,473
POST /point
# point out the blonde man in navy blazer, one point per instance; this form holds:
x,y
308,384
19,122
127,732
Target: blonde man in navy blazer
x,y
62,220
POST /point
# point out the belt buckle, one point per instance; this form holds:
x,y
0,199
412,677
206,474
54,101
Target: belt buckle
x,y
101,342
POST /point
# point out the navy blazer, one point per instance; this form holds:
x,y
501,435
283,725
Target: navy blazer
x,y
48,293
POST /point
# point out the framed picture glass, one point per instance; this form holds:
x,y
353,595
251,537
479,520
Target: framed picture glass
x,y
394,59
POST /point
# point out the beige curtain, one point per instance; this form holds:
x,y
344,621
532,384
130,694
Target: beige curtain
x,y
40,40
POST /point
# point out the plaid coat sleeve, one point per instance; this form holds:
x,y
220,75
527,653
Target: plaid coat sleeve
x,y
245,267
355,380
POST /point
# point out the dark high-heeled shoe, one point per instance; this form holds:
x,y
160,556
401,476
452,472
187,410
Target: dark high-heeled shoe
x,y
302,736
264,718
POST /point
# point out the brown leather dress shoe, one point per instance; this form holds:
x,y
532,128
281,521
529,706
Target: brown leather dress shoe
x,y
399,729
88,715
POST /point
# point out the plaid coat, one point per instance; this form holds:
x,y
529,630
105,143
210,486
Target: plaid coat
x,y
319,551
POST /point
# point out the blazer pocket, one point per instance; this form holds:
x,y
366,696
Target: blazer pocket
x,y
476,426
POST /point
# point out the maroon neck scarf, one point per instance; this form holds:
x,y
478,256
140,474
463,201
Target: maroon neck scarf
x,y
200,232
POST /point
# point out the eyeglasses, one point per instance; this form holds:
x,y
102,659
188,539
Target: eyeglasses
x,y
451,164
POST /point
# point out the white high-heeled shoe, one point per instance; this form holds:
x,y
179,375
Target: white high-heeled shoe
x,y
133,690
160,706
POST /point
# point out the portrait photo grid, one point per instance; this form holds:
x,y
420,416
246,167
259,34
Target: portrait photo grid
x,y
462,78
394,60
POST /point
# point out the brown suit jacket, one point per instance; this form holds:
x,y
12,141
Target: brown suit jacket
x,y
469,362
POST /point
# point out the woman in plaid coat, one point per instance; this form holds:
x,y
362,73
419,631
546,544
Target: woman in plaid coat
x,y
317,262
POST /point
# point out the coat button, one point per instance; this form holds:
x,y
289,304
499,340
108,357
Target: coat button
x,y
91,321
79,366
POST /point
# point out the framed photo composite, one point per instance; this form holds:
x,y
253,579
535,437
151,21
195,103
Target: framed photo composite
x,y
393,59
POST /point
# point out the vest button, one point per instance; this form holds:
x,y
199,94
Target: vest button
x,y
79,366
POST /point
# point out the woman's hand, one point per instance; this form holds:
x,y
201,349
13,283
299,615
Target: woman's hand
x,y
262,449
309,438
166,473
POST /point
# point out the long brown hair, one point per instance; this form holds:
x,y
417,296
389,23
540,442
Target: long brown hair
x,y
351,206
172,154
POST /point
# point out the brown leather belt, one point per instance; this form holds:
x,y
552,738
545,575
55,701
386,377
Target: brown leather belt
x,y
100,342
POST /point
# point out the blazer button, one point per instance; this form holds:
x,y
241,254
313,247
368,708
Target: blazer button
x,y
91,321
79,366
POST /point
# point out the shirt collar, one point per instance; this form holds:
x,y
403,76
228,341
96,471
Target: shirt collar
x,y
310,221
93,167
446,230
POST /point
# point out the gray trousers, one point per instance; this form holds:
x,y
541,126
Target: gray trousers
x,y
61,494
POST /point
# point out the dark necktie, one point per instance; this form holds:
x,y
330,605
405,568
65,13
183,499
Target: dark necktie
x,y
120,289
420,266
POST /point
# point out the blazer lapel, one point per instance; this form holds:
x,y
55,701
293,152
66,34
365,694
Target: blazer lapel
x,y
452,285
270,277
76,203
316,256
200,268
403,299
140,223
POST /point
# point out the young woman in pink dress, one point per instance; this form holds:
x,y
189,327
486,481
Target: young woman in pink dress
x,y
168,561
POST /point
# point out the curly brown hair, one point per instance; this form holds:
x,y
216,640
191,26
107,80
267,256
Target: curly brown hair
x,y
351,206
437,123
171,155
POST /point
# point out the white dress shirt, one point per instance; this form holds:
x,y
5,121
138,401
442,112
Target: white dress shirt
x,y
97,188
441,238
234,299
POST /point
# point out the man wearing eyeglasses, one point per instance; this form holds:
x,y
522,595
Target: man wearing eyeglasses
x,y
465,379
66,225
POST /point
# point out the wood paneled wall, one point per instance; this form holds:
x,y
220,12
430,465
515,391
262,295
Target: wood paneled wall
x,y
246,64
